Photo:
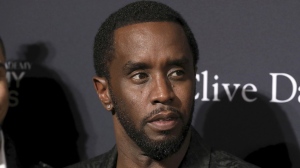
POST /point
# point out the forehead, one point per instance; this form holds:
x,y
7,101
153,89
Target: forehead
x,y
151,38
141,32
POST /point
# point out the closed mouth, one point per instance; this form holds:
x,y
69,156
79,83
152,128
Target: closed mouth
x,y
165,120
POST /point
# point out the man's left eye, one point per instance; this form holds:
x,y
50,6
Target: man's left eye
x,y
176,74
140,76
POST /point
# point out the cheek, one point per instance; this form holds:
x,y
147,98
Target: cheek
x,y
133,103
3,102
134,95
3,94
185,94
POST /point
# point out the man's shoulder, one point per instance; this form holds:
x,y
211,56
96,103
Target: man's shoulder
x,y
107,159
93,163
222,159
200,154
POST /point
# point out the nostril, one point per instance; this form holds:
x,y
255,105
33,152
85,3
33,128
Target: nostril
x,y
162,92
163,99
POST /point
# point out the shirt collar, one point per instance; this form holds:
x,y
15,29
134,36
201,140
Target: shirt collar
x,y
2,151
198,153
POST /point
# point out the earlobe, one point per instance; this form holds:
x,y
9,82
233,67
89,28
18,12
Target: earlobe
x,y
101,87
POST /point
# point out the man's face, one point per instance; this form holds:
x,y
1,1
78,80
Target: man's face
x,y
3,88
152,85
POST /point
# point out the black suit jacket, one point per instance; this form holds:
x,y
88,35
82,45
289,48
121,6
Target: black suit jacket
x,y
10,153
199,155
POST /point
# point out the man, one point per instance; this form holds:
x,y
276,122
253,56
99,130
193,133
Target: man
x,y
145,58
7,151
8,155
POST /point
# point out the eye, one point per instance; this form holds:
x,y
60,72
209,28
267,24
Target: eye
x,y
140,78
177,74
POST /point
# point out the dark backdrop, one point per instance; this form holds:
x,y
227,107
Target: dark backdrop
x,y
247,99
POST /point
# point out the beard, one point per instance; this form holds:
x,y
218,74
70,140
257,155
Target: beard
x,y
155,149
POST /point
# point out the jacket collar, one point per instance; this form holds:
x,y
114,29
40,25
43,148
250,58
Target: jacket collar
x,y
198,153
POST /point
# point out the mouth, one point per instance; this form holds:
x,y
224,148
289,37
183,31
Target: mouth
x,y
163,121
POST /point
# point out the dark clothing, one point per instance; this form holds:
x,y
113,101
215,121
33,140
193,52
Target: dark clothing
x,y
11,157
198,155
10,153
41,127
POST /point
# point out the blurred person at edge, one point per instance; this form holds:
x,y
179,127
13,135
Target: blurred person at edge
x,y
8,155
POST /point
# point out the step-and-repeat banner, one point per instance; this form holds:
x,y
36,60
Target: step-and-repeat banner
x,y
246,101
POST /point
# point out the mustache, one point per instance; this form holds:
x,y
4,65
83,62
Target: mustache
x,y
165,108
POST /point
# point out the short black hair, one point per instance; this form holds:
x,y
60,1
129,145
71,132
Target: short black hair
x,y
2,47
136,12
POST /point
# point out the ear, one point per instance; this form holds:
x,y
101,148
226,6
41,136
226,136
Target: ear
x,y
102,89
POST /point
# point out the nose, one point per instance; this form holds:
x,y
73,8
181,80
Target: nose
x,y
162,91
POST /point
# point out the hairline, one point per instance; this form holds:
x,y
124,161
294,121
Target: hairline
x,y
104,50
111,52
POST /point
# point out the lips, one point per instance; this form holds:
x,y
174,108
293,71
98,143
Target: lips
x,y
163,121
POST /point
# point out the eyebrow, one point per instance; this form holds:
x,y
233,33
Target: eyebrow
x,y
178,62
131,66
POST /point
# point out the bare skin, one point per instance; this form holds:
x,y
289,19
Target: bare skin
x,y
3,88
152,69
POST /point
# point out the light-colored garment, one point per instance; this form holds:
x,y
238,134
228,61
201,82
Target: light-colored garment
x,y
2,152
